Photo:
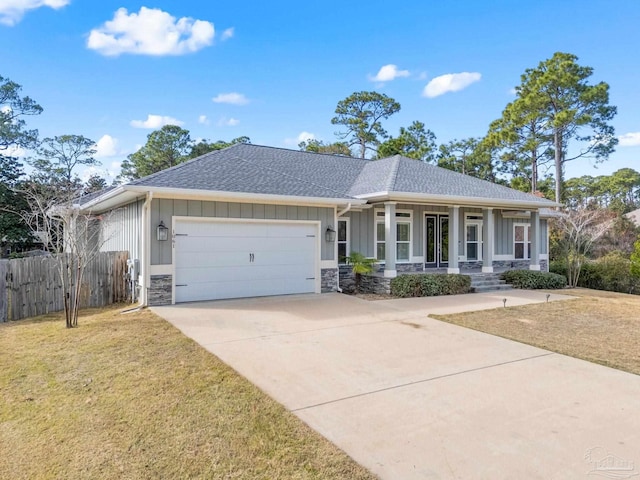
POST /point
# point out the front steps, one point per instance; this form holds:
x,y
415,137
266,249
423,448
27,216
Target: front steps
x,y
487,282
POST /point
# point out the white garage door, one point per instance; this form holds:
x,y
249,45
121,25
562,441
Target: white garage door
x,y
220,259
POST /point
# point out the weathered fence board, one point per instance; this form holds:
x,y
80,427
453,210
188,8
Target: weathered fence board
x,y
32,286
3,289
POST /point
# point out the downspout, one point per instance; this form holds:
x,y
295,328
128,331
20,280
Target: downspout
x,y
344,211
146,248
339,214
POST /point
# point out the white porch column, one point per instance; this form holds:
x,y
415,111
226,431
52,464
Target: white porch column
x,y
487,240
390,239
454,239
535,241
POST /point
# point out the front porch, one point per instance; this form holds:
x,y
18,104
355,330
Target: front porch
x,y
444,242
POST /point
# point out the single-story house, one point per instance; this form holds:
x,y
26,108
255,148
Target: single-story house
x,y
252,220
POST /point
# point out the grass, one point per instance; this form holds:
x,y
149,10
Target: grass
x,y
128,396
601,327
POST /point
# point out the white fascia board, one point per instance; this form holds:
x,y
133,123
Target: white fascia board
x,y
113,198
211,195
410,197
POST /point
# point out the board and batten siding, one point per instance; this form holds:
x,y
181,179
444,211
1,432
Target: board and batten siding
x,y
122,230
165,209
504,234
362,229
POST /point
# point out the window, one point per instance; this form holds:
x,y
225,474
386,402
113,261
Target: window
x,y
474,244
343,240
522,241
403,235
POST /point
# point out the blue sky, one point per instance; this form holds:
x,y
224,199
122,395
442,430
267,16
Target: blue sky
x,y
109,69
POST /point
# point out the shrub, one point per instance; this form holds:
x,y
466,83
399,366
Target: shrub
x,y
534,280
430,285
611,272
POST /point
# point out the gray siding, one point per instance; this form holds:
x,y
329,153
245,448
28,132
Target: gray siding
x,y
504,234
165,209
122,230
361,234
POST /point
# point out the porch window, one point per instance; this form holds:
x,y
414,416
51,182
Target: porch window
x,y
473,242
343,240
522,241
403,235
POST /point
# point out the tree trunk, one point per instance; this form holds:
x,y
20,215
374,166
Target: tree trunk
x,y
534,171
557,145
363,149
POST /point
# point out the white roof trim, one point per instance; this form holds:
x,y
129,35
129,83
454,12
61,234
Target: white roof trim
x,y
410,197
129,192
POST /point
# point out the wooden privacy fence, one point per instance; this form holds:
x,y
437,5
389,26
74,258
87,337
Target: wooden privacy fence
x,y
32,286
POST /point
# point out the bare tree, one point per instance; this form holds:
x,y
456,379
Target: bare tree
x,y
75,237
580,229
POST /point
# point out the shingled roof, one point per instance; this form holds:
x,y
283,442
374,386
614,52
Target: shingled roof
x,y
268,170
253,169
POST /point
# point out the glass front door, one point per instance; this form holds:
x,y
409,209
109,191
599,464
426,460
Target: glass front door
x,y
436,241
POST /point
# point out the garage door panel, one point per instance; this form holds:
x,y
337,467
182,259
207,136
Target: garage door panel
x,y
212,259
245,273
220,290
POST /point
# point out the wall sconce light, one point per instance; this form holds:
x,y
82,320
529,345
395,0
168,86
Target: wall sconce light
x,y
162,233
330,234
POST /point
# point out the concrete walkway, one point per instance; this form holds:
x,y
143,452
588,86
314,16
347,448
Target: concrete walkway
x,y
410,397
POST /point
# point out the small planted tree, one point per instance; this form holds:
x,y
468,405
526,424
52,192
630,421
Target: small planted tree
x,y
579,230
360,265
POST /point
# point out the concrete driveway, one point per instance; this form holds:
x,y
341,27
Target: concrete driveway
x,y
410,397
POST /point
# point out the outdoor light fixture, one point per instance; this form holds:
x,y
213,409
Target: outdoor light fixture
x,y
163,232
330,234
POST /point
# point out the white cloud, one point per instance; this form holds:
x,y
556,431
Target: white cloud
x,y
451,82
203,120
631,139
388,73
232,98
155,121
14,151
302,137
12,11
150,32
513,91
227,34
228,122
107,146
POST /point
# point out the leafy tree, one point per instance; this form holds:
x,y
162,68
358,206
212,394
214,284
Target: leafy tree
x,y
13,135
204,146
635,259
558,96
413,142
13,108
318,146
13,230
468,156
523,141
58,158
165,148
361,114
94,183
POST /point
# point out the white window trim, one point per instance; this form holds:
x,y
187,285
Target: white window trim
x,y
480,241
527,240
377,220
348,241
